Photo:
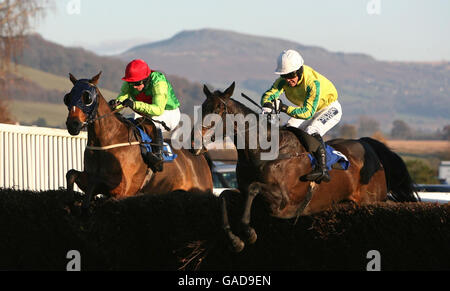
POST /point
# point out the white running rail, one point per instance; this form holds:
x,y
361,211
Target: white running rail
x,y
38,158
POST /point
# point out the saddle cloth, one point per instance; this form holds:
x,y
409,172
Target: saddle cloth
x,y
168,154
335,159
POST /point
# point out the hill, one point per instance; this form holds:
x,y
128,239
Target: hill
x,y
42,76
414,92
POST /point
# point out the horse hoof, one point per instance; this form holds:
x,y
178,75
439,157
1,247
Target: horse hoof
x,y
237,245
249,235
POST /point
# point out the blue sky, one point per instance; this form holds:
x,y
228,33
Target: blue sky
x,y
395,30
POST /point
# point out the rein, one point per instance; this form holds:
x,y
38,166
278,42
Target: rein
x,y
92,120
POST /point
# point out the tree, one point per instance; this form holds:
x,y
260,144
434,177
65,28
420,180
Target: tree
x,y
41,121
16,18
446,132
400,130
367,126
348,131
378,135
421,173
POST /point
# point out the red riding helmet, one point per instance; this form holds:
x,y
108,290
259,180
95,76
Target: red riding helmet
x,y
136,70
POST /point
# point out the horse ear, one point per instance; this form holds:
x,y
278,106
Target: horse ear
x,y
95,79
72,78
206,91
229,92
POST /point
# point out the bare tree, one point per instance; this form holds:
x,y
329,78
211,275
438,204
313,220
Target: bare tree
x,y
16,20
348,131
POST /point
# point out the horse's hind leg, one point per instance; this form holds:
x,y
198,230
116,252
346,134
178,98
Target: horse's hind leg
x,y
236,243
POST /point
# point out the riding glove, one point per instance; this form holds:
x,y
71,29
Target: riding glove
x,y
113,103
269,106
281,106
128,103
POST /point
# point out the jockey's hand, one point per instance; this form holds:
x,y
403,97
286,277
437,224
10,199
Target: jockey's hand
x,y
281,106
267,108
113,103
128,103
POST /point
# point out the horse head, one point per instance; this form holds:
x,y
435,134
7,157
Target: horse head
x,y
82,103
217,103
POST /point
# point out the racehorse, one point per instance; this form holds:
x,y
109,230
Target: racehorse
x,y
113,164
373,172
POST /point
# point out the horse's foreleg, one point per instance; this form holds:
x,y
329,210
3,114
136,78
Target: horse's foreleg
x,y
246,231
74,176
87,199
236,243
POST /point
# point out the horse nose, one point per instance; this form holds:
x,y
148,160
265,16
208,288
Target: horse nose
x,y
73,126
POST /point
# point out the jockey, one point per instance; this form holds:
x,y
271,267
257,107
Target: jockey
x,y
317,109
150,93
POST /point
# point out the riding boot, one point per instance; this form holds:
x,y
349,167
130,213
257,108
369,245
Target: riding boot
x,y
156,158
320,172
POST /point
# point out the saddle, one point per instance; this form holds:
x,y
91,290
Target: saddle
x,y
335,159
141,133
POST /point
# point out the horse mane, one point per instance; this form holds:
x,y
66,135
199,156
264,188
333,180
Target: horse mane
x,y
118,115
243,107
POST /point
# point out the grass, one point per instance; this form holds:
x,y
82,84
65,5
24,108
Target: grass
x,y
430,152
28,111
420,147
53,82
54,114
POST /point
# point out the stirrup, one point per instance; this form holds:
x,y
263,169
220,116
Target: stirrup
x,y
317,176
156,161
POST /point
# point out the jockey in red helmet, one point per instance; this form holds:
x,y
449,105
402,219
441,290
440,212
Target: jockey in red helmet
x,y
149,93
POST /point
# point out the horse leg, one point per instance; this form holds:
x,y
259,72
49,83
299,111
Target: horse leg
x,y
72,177
237,245
87,199
247,233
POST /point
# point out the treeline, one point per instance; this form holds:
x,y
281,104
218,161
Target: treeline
x,y
367,126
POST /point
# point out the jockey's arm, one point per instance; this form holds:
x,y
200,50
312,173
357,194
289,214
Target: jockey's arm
x,y
273,93
160,95
309,106
124,94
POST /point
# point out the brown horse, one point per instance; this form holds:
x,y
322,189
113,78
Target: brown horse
x,y
374,171
113,164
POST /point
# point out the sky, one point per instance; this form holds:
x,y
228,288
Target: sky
x,y
390,30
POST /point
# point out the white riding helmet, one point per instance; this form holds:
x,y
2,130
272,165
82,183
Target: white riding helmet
x,y
289,61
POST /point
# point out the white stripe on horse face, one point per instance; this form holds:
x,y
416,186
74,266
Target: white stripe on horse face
x,y
73,108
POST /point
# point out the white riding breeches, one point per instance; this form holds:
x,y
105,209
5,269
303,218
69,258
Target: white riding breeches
x,y
322,121
170,117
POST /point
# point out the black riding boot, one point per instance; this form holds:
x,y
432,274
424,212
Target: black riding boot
x,y
320,172
156,158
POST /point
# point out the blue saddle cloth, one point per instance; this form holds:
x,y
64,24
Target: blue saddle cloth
x,y
335,159
168,155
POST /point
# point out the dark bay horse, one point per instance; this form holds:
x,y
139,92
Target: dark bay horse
x,y
374,171
113,164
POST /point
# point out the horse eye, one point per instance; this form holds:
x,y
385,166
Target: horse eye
x,y
67,99
86,98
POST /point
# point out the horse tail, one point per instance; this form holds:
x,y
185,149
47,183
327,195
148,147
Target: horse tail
x,y
399,183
